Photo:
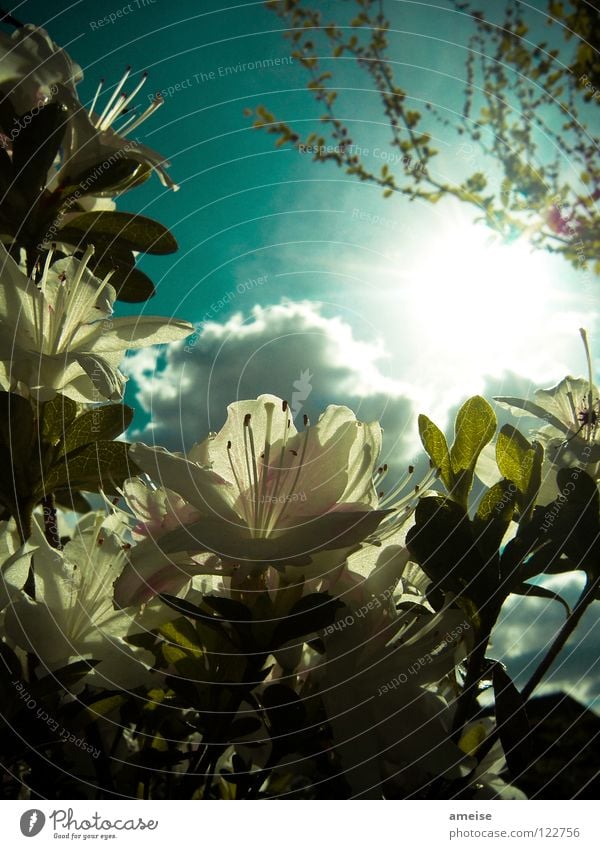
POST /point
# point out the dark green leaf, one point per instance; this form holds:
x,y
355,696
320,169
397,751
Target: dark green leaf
x,y
494,514
65,677
99,708
285,711
16,426
442,543
97,465
35,148
56,416
132,286
71,500
120,175
312,613
98,424
129,232
227,608
182,634
192,611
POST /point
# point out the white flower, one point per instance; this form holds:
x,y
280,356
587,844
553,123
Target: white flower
x,y
91,139
42,72
571,409
15,560
73,616
263,492
36,66
57,335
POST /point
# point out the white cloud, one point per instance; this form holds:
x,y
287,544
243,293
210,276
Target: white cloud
x,y
185,388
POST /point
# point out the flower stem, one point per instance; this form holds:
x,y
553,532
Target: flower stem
x,y
585,599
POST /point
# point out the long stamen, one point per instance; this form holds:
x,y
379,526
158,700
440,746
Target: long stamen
x,y
380,474
113,113
113,97
74,308
251,468
133,122
262,507
284,441
47,263
96,96
590,397
398,488
298,472
141,83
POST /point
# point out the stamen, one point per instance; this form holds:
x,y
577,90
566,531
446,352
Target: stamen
x,y
262,508
251,468
133,122
112,114
399,487
141,83
95,100
590,397
286,427
298,472
116,93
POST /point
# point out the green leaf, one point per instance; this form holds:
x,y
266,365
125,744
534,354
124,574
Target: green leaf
x,y
497,502
513,455
474,428
129,232
99,709
434,442
285,711
442,543
97,465
312,613
578,520
120,175
133,286
181,633
227,608
130,284
98,424
65,677
35,149
16,426
494,514
56,416
192,611
71,500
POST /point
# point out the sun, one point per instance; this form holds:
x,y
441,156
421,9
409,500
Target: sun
x,y
472,306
